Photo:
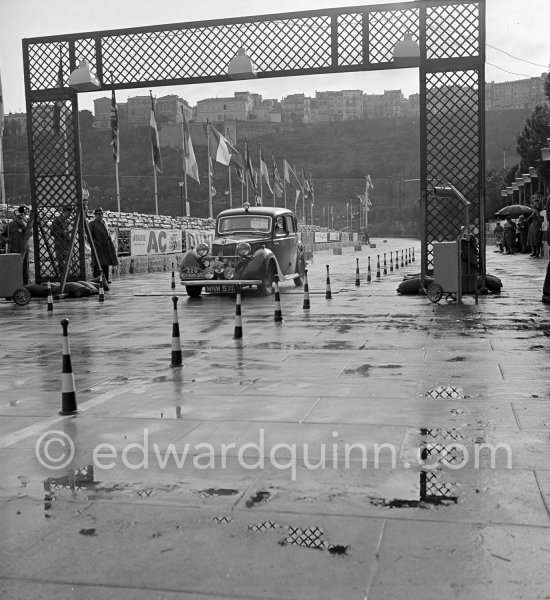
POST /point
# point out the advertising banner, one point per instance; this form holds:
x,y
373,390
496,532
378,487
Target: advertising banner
x,y
152,242
321,236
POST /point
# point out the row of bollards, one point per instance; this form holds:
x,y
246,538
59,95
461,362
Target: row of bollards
x,y
68,390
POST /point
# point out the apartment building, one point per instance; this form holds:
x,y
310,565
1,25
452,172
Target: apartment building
x,y
522,93
236,108
296,108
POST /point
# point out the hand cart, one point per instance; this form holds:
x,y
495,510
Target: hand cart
x,y
454,271
11,279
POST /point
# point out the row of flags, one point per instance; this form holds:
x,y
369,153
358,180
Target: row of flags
x,y
222,151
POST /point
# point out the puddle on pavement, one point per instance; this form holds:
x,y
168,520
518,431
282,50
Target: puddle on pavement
x,y
259,497
304,537
213,492
365,369
446,391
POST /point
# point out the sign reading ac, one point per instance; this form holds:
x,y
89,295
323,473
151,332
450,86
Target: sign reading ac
x,y
160,242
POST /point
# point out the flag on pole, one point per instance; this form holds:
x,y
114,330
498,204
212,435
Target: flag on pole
x,y
155,143
370,185
191,166
264,172
311,190
248,166
222,151
277,181
286,170
114,128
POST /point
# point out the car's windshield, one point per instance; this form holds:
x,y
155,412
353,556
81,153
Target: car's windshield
x,y
248,223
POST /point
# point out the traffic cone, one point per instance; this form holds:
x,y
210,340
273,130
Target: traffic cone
x,y
101,297
402,264
173,285
238,320
378,267
176,346
369,278
391,262
413,255
68,392
278,312
385,265
50,297
306,304
357,280
328,294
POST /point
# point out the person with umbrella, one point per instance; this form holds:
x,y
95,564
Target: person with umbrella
x,y
509,235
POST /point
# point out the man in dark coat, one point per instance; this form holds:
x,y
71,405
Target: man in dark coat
x,y
546,284
16,240
60,231
104,247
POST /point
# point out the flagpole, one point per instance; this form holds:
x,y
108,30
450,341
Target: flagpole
x,y
230,190
304,198
261,177
117,187
367,209
210,214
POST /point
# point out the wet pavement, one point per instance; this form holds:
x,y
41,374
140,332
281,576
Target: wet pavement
x,y
374,446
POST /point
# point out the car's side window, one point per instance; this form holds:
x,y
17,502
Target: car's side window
x,y
290,224
280,228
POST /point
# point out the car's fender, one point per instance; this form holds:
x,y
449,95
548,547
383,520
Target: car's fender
x,y
255,267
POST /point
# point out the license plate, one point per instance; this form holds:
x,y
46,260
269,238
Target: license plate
x,y
191,273
220,289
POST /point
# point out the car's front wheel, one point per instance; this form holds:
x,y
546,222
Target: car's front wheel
x,y
266,287
301,270
193,291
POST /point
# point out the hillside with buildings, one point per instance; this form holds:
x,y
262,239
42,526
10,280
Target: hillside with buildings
x,y
338,137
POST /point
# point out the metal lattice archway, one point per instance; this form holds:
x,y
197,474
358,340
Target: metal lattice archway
x,y
450,34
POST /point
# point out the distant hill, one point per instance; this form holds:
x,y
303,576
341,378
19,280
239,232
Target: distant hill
x,y
338,155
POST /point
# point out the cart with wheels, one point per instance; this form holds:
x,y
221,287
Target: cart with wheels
x,y
456,268
11,279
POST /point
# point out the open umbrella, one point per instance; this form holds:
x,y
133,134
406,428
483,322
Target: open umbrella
x,y
514,211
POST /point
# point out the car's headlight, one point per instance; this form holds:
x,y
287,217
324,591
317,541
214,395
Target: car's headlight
x,y
208,273
202,249
229,272
243,249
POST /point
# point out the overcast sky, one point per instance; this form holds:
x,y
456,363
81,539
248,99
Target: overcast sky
x,y
519,29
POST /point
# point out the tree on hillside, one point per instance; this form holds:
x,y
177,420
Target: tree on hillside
x,y
533,137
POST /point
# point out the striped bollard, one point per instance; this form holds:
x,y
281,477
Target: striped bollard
x,y
68,391
391,262
402,263
328,293
407,261
378,266
173,284
50,297
397,260
413,255
238,319
357,279
278,313
369,277
101,297
385,265
176,344
306,304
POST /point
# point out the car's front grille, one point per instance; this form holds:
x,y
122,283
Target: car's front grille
x,y
224,250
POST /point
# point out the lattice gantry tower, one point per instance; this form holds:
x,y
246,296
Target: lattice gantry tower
x,y
450,35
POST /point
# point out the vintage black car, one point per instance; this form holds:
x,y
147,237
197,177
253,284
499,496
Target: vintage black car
x,y
251,245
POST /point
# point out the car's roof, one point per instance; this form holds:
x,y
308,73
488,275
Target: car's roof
x,y
270,211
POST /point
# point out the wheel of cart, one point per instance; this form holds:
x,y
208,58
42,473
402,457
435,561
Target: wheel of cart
x,y
21,296
11,279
